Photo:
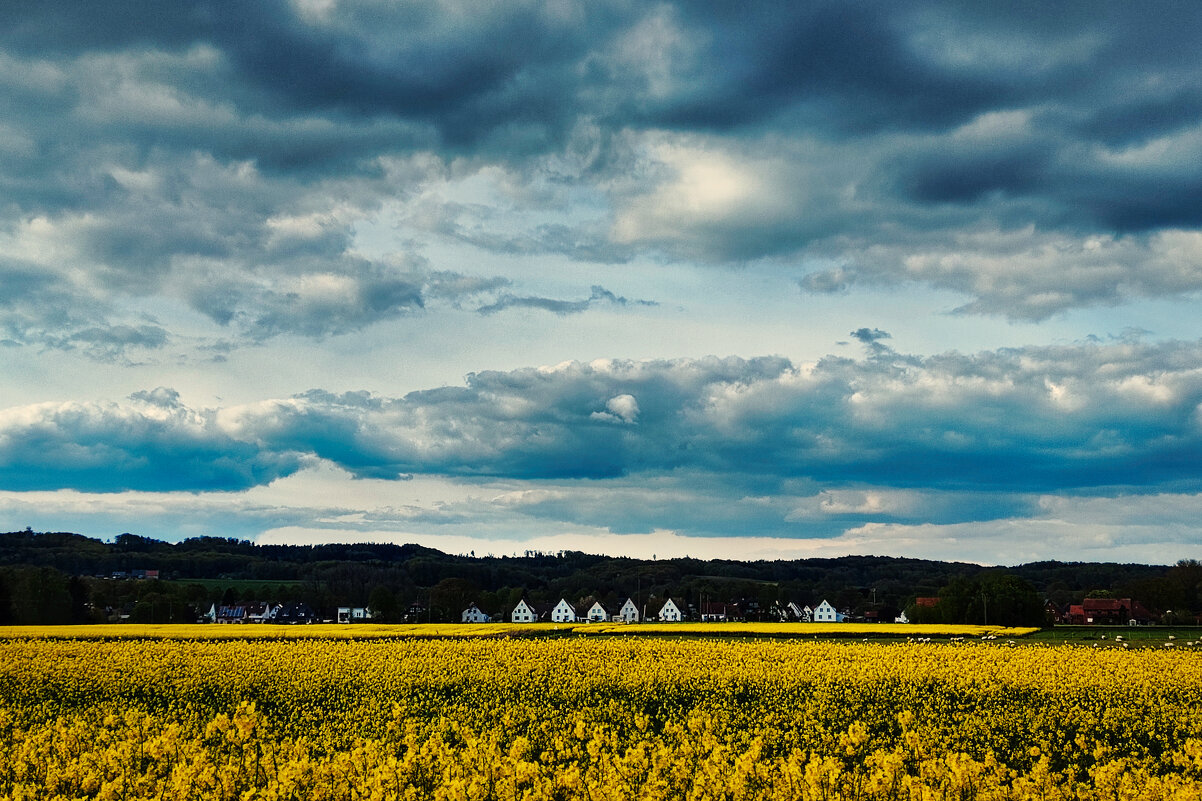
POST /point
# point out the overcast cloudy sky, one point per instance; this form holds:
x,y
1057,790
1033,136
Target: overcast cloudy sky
x,y
751,280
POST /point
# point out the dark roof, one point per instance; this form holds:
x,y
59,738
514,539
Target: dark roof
x,y
1103,604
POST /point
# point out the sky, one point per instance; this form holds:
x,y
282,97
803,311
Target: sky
x,y
749,280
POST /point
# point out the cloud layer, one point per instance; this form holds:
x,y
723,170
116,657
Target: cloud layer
x,y
1039,419
154,158
359,195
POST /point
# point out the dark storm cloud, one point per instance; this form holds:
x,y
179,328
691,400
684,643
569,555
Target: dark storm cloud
x,y
221,155
1056,419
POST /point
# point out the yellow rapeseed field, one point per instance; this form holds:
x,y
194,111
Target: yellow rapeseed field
x,y
364,631
594,718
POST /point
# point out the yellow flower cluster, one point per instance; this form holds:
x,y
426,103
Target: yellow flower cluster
x,y
584,718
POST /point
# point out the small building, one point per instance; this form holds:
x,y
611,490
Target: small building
x,y
563,612
474,614
1053,612
670,612
825,613
353,614
235,613
415,612
629,613
1109,612
715,613
258,612
597,613
292,614
524,612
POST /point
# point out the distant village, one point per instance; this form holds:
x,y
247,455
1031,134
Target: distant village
x,y
1091,611
672,610
56,578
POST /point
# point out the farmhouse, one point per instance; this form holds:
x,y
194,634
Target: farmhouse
x,y
353,614
563,612
1109,611
474,614
670,612
597,613
825,613
524,612
629,612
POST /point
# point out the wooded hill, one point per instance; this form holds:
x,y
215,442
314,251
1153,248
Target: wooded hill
x,y
64,577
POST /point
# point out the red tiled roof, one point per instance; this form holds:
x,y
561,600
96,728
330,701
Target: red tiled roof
x,y
1102,604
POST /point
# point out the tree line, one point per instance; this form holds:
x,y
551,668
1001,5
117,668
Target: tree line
x,y
61,577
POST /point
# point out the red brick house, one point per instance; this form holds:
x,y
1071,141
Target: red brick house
x,y
1108,612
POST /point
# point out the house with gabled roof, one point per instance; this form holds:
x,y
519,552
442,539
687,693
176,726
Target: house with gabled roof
x,y
525,612
784,611
597,613
293,613
629,612
232,613
825,613
795,611
474,614
671,612
258,612
1109,611
563,612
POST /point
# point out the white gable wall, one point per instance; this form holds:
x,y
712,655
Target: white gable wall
x,y
563,612
523,613
473,614
825,613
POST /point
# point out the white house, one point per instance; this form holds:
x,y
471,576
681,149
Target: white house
x,y
598,613
629,612
524,612
473,614
825,613
670,612
563,612
353,614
